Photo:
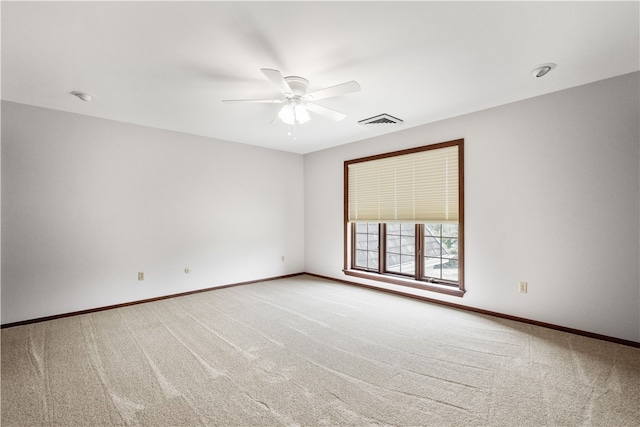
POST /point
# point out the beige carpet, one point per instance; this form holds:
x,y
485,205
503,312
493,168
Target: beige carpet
x,y
305,351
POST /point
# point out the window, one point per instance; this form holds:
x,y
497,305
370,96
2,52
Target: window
x,y
404,217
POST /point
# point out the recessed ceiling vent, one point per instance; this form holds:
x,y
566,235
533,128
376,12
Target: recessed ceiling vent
x,y
382,119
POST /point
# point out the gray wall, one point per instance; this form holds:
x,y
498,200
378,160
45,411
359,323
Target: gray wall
x,y
87,203
552,196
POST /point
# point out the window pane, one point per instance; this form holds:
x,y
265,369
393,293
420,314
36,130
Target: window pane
x,y
393,228
449,230
450,248
393,262
372,228
432,247
432,267
408,229
407,264
393,244
361,241
361,227
373,260
432,229
408,245
372,243
361,258
450,270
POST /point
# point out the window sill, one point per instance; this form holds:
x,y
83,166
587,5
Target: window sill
x,y
432,287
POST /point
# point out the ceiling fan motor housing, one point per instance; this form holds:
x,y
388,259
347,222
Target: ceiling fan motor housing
x,y
297,84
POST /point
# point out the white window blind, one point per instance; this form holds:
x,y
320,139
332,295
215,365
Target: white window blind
x,y
420,186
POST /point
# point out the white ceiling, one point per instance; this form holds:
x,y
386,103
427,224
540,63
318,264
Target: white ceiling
x,y
170,64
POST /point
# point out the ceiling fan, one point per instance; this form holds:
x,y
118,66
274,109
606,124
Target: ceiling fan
x,y
297,101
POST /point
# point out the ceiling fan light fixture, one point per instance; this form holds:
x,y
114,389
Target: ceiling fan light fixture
x,y
287,115
294,113
301,114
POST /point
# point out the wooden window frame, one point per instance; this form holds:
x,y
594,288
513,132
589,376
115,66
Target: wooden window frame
x,y
416,281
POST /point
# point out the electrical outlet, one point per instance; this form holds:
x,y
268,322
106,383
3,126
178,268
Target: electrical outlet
x,y
140,275
523,287
282,258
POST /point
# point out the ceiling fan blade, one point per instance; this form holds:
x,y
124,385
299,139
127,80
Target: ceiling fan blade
x,y
326,112
256,101
278,80
328,92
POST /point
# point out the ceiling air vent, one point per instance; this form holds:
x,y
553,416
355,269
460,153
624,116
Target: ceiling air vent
x,y
382,119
